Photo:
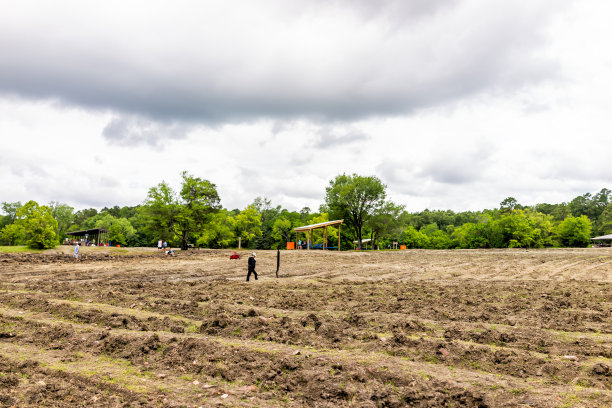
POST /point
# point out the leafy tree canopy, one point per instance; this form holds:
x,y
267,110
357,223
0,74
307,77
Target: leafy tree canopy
x,y
354,198
38,225
172,215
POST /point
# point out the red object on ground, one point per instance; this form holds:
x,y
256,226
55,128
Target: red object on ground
x,y
234,256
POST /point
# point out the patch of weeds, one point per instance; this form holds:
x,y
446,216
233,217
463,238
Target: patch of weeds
x,y
517,391
191,328
109,379
594,395
162,348
431,358
569,400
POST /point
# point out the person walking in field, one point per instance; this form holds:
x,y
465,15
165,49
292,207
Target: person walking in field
x,y
159,245
252,266
76,252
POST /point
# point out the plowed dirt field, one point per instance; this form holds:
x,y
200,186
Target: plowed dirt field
x,y
464,328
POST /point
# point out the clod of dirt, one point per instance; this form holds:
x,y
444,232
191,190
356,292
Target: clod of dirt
x,y
9,380
315,320
503,356
399,337
601,369
548,369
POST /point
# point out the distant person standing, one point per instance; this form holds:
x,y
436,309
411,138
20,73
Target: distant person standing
x,y
76,252
159,245
252,266
165,246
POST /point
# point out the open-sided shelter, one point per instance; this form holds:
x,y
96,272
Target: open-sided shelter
x,y
99,236
364,241
603,239
308,230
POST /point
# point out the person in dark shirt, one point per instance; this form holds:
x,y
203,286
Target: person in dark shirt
x,y
252,267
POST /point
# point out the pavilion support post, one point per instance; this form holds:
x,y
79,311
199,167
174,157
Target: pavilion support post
x,y
308,241
325,238
339,225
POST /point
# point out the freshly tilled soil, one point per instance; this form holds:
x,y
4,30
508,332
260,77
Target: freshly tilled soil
x,y
405,328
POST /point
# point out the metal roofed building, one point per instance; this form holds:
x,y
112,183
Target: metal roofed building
x,y
603,238
99,236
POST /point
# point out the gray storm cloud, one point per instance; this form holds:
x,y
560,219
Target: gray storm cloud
x,y
132,130
192,62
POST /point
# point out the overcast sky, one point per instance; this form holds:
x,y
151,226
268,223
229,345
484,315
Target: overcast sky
x,y
453,104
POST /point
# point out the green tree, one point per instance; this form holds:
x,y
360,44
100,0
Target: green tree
x,y
81,217
114,211
64,215
590,205
120,230
354,198
269,214
181,215
440,240
509,204
10,211
604,222
248,224
199,199
414,239
38,225
472,235
12,234
517,230
160,211
384,221
282,230
574,231
219,232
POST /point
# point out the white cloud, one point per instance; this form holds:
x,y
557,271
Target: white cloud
x,y
454,104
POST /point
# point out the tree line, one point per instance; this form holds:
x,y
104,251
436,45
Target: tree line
x,y
192,215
